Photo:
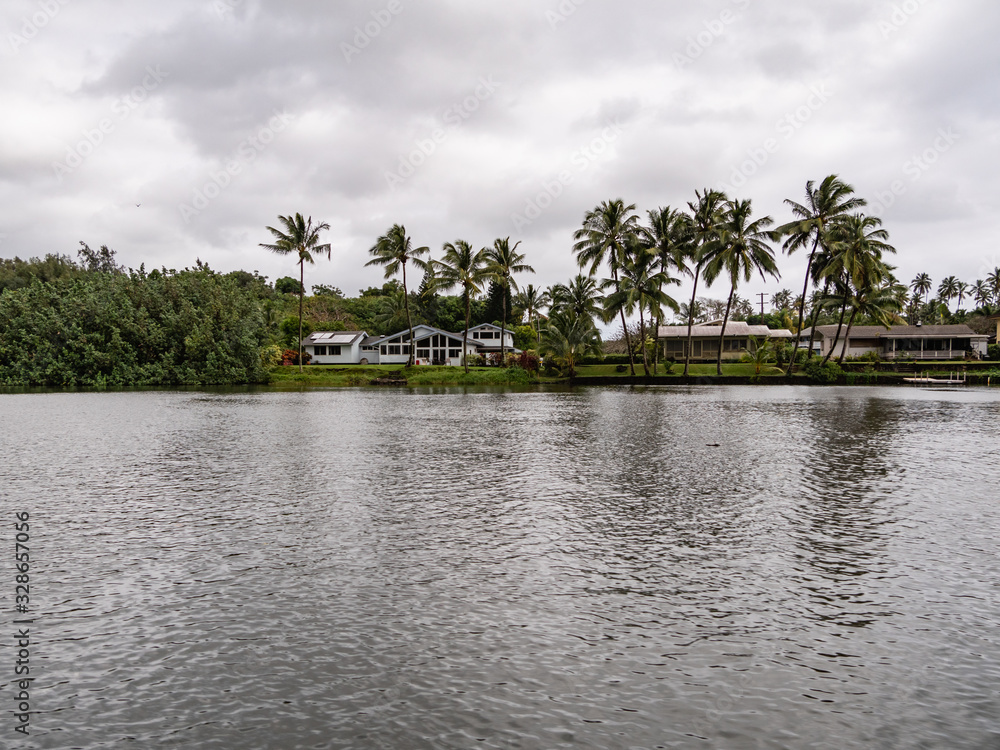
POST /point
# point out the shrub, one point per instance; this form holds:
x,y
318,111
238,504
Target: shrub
x,y
993,352
818,372
528,361
621,368
476,360
291,357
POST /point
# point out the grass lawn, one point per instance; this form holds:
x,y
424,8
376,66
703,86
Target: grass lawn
x,y
738,369
354,375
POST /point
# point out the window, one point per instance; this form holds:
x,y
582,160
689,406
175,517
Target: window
x,y
454,353
394,349
675,346
334,351
423,353
319,351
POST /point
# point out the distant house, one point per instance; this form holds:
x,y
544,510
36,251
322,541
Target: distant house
x,y
489,338
334,347
895,342
705,339
433,347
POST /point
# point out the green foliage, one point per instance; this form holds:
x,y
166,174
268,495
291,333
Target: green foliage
x,y
102,329
818,372
287,285
993,352
524,337
290,330
322,290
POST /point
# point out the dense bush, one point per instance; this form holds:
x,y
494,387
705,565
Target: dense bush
x,y
104,329
993,352
819,372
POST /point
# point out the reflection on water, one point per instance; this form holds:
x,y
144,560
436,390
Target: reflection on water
x,y
438,568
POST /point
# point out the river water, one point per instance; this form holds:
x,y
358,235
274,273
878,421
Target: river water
x,y
779,567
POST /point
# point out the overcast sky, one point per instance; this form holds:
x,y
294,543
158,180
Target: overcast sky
x,y
175,131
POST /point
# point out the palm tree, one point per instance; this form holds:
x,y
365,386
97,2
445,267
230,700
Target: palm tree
x,y
640,286
530,300
581,295
706,215
982,292
824,207
743,249
855,262
605,233
878,303
962,291
502,262
392,250
948,289
922,285
669,237
302,238
462,266
993,279
567,337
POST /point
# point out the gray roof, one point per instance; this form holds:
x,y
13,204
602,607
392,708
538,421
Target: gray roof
x,y
733,328
896,332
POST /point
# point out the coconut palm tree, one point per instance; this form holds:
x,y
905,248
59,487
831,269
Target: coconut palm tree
x,y
466,268
825,206
582,295
878,303
392,250
669,237
858,243
993,279
706,215
982,293
502,262
922,285
301,238
567,337
743,249
604,236
531,300
640,286
948,289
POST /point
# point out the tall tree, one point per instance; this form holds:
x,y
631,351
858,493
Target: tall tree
x,y
301,238
825,206
393,250
463,267
921,285
743,249
706,215
858,243
531,300
948,289
582,295
640,287
606,232
567,337
502,262
669,237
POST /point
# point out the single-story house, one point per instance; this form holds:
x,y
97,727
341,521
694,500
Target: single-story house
x,y
738,336
334,347
895,342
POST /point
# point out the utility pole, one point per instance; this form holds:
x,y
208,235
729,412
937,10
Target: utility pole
x,y
762,295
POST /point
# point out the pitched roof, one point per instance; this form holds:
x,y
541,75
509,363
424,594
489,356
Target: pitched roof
x,y
895,332
334,337
733,328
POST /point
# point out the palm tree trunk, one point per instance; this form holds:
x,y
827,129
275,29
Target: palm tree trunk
x,y
802,309
503,327
302,291
840,325
642,333
409,323
628,339
847,335
815,316
687,353
722,336
465,333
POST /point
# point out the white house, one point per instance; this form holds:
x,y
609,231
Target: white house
x,y
490,337
705,339
334,347
895,342
433,347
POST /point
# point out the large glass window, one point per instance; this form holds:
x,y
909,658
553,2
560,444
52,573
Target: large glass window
x,y
319,351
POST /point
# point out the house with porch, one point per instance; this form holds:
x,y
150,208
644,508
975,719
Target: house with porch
x,y
898,342
705,338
